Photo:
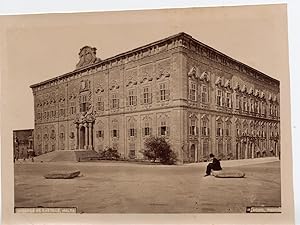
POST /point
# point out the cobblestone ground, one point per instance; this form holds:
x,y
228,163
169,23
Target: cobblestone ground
x,y
133,188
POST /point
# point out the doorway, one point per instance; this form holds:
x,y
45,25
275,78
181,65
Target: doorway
x,y
82,137
193,153
237,147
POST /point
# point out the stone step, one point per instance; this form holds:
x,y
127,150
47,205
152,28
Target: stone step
x,y
65,155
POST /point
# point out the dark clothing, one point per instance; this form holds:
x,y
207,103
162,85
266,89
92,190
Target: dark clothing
x,y
215,165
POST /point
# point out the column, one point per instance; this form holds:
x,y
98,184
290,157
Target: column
x,y
79,144
196,153
90,137
246,150
77,137
252,150
86,136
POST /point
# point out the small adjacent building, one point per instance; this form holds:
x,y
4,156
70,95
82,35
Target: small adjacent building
x,y
23,143
198,98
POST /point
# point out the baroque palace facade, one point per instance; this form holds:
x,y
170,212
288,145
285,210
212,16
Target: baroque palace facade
x,y
198,98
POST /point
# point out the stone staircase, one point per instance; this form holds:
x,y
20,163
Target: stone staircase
x,y
66,156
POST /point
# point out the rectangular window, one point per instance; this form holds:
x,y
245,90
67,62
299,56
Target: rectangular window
x,y
245,104
146,95
193,128
115,101
83,103
205,129
73,110
204,94
100,133
162,88
100,104
147,131
163,128
115,133
227,131
131,97
131,132
228,100
219,129
62,135
237,97
193,92
251,105
219,97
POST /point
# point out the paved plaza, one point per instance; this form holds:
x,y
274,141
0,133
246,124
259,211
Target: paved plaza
x,y
122,187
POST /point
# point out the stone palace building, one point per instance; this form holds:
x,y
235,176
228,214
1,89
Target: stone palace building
x,y
198,98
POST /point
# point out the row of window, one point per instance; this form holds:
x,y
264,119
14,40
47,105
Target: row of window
x,y
163,130
203,92
224,99
220,131
131,99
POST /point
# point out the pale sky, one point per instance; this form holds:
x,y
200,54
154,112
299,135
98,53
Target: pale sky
x,y
40,47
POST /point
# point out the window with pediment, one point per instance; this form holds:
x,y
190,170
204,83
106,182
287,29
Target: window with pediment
x,y
227,129
219,128
237,101
193,127
114,101
219,97
205,127
204,93
132,128
164,91
147,128
100,130
238,129
245,103
72,108
146,97
100,104
192,91
132,97
115,129
228,99
83,103
251,105
163,125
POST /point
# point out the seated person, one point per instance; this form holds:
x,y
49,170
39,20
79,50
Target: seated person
x,y
214,165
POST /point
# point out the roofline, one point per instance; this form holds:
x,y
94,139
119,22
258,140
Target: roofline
x,y
23,130
238,62
183,34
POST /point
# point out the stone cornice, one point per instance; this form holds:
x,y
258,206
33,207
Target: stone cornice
x,y
178,40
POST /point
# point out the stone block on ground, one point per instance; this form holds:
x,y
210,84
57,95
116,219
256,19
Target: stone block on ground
x,y
62,174
228,174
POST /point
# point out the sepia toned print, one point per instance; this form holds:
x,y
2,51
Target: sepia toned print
x,y
195,98
164,123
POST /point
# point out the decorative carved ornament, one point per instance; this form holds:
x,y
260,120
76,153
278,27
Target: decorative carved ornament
x,y
87,56
85,117
205,76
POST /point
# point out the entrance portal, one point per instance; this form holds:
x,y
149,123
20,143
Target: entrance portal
x,y
82,137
